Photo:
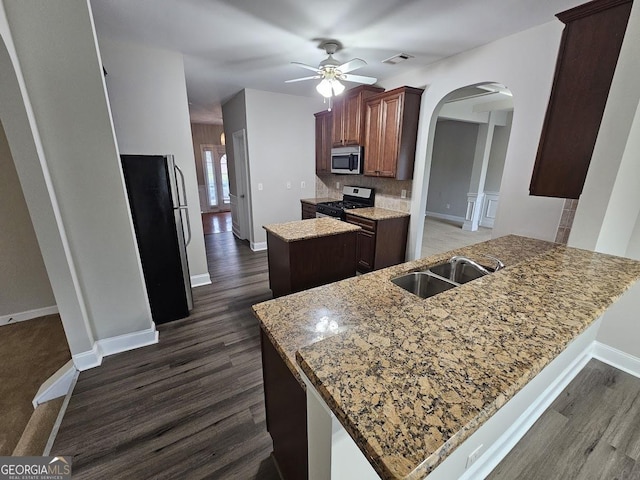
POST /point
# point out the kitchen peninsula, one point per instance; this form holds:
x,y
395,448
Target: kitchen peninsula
x,y
307,253
410,379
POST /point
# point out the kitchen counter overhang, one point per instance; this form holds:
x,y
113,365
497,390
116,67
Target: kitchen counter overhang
x,y
410,379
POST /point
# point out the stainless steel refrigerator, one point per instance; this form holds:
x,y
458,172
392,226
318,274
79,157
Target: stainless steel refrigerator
x,y
157,197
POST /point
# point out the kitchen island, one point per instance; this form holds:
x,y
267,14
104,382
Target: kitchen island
x,y
307,253
410,379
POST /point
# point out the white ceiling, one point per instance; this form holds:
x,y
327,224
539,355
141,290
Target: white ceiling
x,y
229,45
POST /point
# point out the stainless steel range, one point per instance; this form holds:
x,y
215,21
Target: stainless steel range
x,y
352,197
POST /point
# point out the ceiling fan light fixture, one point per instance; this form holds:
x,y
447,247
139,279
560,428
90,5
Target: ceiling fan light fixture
x,y
330,87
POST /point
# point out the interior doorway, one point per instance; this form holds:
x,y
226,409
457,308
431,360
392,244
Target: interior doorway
x,y
216,176
468,151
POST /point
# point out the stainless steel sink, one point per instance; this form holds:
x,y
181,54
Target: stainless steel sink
x,y
423,284
444,276
463,273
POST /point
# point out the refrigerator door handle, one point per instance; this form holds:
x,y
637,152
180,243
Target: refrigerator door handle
x,y
184,188
186,210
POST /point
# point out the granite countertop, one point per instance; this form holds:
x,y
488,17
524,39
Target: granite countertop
x,y
411,378
315,201
311,228
376,213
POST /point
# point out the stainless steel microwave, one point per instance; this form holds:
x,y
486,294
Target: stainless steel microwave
x,y
347,160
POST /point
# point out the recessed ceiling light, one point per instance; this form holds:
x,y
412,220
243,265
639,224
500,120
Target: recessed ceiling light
x,y
400,57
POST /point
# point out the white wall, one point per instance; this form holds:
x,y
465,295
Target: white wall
x,y
234,114
498,156
69,149
454,146
24,284
525,63
148,96
281,145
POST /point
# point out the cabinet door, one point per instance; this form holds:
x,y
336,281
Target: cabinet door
x,y
373,134
323,142
365,250
308,211
338,122
352,119
390,135
587,59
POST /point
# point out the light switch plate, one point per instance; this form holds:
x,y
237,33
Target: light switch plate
x,y
259,186
303,184
288,185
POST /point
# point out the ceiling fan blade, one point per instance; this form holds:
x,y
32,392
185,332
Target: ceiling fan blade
x,y
308,67
303,78
352,65
359,79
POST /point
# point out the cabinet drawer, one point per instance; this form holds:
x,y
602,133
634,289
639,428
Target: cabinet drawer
x,y
362,222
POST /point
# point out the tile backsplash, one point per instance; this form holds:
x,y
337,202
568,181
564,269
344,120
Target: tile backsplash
x,y
388,191
566,221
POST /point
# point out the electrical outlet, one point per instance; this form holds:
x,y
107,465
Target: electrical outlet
x,y
403,194
338,185
259,186
473,456
288,185
448,206
303,184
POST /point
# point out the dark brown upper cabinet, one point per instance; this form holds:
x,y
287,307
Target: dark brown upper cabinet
x,y
391,130
323,141
587,58
348,115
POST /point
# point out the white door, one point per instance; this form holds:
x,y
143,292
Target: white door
x,y
240,211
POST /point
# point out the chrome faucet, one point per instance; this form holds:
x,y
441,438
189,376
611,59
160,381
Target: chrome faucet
x,y
458,259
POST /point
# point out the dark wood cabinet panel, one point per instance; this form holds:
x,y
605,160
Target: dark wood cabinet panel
x,y
308,210
286,409
302,264
324,122
587,58
391,131
380,243
348,115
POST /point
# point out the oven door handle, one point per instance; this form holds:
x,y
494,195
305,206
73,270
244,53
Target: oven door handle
x,y
352,162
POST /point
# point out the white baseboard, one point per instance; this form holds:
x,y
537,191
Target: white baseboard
x,y
110,346
57,385
617,358
28,315
444,216
258,246
200,280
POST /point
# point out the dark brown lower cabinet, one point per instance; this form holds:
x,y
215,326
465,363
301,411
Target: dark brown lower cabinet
x,y
286,407
298,265
380,243
308,210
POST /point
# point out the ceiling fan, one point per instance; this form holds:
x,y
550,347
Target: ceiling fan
x,y
331,71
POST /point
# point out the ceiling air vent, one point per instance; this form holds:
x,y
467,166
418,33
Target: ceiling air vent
x,y
400,57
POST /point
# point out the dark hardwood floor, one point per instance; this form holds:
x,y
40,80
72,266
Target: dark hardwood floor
x,y
191,406
591,431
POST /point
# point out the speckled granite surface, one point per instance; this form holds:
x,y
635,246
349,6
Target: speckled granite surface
x,y
411,378
311,228
315,201
375,213
414,387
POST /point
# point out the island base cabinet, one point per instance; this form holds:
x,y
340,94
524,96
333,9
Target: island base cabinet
x,y
300,265
286,408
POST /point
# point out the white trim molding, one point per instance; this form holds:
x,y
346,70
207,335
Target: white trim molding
x,y
444,216
57,385
200,280
258,246
28,315
112,345
472,218
617,358
489,209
